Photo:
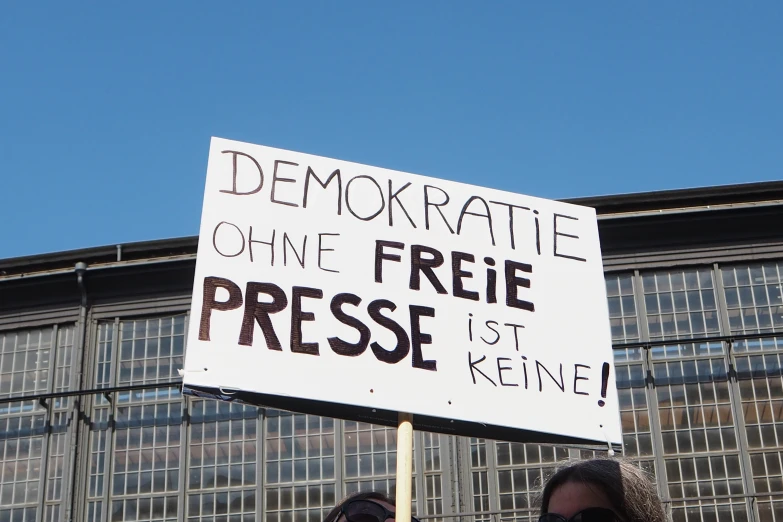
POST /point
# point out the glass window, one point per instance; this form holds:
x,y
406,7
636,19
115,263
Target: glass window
x,y
479,472
717,510
216,506
766,469
136,468
33,361
370,463
622,308
522,470
59,437
300,460
25,359
370,453
698,431
21,449
634,412
760,380
151,350
754,297
705,476
680,303
222,467
770,508
99,423
136,436
433,474
694,405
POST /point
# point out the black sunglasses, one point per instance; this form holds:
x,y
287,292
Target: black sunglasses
x,y
595,514
366,510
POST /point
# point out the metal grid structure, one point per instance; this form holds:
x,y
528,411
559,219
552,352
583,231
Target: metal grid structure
x,y
33,434
699,373
300,467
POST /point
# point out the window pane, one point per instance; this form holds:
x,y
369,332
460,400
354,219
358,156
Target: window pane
x,y
680,303
300,466
760,380
136,437
754,296
622,309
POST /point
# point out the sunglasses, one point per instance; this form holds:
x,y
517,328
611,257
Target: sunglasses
x,y
367,511
595,514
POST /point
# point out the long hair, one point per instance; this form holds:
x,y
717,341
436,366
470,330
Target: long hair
x,y
627,487
334,514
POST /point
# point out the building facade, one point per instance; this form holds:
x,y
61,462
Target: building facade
x,y
93,425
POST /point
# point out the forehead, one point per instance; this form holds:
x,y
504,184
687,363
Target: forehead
x,y
572,497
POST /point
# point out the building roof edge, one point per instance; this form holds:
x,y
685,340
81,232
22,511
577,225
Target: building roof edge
x,y
626,206
682,198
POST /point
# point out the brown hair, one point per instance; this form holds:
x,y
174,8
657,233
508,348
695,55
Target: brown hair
x,y
627,487
334,514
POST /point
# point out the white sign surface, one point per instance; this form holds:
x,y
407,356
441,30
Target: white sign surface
x,y
353,291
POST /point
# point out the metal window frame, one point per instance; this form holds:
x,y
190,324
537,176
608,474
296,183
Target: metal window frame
x,y
68,434
649,389
445,445
41,502
187,424
456,473
725,336
99,315
112,430
736,399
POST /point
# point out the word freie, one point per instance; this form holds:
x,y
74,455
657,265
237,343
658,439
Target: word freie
x,y
424,259
259,312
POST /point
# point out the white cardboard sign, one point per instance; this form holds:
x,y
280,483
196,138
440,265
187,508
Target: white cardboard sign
x,y
345,290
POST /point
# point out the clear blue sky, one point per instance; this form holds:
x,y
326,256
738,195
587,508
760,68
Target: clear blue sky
x,y
106,111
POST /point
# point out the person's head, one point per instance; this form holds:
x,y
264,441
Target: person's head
x,y
612,490
369,506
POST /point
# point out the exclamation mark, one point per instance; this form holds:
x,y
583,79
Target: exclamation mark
x,y
604,382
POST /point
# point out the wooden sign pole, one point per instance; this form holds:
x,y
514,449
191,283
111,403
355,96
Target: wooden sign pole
x,y
404,466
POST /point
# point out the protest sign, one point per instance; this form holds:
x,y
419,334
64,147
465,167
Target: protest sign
x,y
339,289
